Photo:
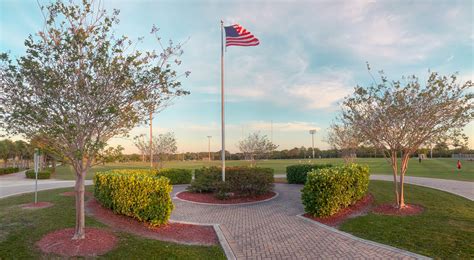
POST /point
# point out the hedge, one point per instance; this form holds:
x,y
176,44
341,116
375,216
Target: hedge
x,y
177,176
240,181
30,174
330,189
9,170
296,174
135,193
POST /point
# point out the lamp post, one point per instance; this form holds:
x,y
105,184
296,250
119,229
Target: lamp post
x,y
209,146
312,132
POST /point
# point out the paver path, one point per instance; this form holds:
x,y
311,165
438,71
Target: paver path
x,y
272,230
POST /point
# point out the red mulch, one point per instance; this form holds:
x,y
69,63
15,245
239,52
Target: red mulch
x,y
39,205
60,242
174,232
360,207
390,209
209,198
73,193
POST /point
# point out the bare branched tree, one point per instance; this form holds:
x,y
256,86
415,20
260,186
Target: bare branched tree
x,y
255,146
345,140
163,146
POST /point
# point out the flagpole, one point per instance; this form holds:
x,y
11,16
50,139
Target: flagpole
x,y
222,103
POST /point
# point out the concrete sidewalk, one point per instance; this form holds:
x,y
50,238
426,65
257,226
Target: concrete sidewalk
x,y
462,188
17,183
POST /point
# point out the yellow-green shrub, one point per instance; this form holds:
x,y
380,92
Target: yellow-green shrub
x,y
135,193
328,190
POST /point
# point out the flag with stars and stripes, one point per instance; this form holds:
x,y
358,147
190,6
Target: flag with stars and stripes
x,y
236,35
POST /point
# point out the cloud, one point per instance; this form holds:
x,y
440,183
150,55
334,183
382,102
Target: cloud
x,y
295,126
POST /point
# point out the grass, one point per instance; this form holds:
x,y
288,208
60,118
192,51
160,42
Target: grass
x,y
20,229
443,168
444,230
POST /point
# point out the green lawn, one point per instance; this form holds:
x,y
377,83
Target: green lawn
x,y
444,230
21,228
444,168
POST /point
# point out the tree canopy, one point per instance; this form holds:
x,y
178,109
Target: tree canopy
x,y
79,85
397,117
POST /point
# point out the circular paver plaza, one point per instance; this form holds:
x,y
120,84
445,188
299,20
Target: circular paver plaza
x,y
273,230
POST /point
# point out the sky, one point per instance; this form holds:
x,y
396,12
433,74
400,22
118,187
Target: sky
x,y
311,55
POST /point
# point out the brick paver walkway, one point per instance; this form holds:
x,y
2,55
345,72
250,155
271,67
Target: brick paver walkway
x,y
272,230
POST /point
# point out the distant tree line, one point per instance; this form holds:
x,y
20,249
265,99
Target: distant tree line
x,y
439,151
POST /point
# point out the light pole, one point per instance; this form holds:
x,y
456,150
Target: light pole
x,y
209,146
312,132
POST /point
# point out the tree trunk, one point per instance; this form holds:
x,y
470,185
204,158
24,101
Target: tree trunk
x,y
79,232
53,166
395,172
404,167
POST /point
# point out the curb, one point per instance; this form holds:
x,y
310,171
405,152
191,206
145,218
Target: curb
x,y
220,236
217,204
391,248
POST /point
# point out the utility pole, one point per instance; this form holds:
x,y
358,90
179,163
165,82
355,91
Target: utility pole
x,y
209,146
312,132
271,130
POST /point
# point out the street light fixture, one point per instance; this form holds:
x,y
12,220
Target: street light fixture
x,y
312,132
209,146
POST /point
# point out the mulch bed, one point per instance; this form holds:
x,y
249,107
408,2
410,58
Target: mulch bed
x,y
173,232
73,193
39,205
360,207
209,198
60,242
390,209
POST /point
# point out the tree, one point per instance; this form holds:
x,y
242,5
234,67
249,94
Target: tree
x,y
345,140
80,85
398,117
110,154
23,152
7,150
142,146
255,146
163,145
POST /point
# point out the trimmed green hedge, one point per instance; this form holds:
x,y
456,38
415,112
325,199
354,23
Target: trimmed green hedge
x,y
30,174
177,176
296,174
240,181
9,170
135,193
330,189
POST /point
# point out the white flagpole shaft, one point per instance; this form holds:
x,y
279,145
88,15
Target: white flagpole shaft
x,y
222,103
36,156
151,138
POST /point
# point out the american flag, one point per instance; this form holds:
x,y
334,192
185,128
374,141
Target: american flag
x,y
236,35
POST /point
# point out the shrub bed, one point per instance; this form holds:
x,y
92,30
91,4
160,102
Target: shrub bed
x,y
30,174
296,174
135,193
239,182
328,190
9,170
177,176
